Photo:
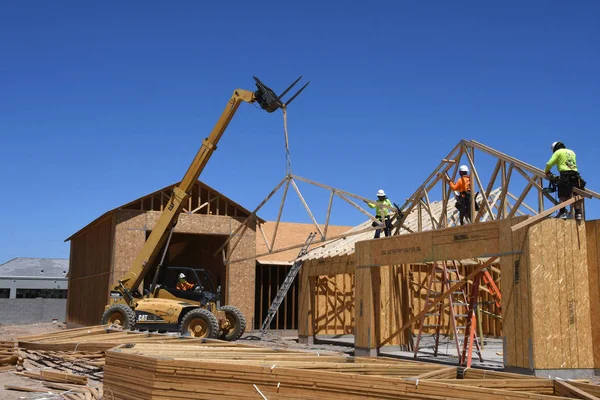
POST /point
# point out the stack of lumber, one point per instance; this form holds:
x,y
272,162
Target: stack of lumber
x,y
168,372
81,351
9,356
98,338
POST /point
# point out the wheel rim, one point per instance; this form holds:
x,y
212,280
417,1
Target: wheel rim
x,y
116,318
198,328
230,324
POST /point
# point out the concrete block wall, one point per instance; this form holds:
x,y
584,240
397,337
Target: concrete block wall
x,y
31,311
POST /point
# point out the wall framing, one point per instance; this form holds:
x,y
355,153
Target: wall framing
x,y
547,325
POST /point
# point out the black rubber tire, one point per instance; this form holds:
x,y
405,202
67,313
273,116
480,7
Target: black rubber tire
x,y
234,316
127,315
211,325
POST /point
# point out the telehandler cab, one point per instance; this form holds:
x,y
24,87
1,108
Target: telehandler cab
x,y
164,308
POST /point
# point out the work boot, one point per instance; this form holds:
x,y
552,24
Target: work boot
x,y
578,216
563,215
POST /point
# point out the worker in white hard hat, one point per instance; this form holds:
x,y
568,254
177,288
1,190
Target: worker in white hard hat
x,y
382,214
463,199
566,163
183,284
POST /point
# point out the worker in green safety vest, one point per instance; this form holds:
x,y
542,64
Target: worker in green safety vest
x,y
382,214
566,163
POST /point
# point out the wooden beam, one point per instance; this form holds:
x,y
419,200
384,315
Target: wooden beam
x,y
489,189
264,235
436,175
565,389
285,190
328,212
474,173
433,220
195,210
512,196
252,215
338,191
297,246
520,200
544,214
310,214
536,185
365,212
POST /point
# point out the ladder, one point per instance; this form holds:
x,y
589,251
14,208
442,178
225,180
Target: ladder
x,y
470,335
287,283
441,274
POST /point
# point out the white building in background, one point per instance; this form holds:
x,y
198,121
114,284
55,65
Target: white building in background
x,y
30,278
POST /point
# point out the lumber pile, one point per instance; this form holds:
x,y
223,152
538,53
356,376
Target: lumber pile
x,y
9,356
169,372
99,338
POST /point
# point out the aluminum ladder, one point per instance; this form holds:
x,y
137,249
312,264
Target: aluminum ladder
x,y
287,283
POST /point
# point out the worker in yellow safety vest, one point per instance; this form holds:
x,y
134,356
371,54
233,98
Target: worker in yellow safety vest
x,y
382,214
566,163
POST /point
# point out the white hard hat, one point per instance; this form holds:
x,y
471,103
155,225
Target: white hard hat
x,y
464,168
182,276
380,193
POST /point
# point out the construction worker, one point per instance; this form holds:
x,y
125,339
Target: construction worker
x,y
463,199
566,163
382,214
183,284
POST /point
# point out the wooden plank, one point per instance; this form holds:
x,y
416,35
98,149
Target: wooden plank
x,y
544,214
587,387
565,389
442,373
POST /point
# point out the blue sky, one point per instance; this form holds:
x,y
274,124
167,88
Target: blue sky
x,y
102,103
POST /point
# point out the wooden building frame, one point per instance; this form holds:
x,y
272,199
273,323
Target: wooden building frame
x,y
512,184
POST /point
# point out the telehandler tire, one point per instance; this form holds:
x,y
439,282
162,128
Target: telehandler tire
x,y
200,323
236,320
119,314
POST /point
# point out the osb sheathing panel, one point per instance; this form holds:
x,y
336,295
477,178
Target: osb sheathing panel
x,y
89,271
130,236
593,249
562,333
463,242
545,292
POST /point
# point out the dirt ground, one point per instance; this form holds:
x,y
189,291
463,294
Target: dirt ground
x,y
13,332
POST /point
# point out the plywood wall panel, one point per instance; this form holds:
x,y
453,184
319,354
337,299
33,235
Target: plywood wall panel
x,y
593,250
89,271
559,297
